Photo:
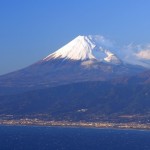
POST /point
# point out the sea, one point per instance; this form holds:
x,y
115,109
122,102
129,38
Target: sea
x,y
68,138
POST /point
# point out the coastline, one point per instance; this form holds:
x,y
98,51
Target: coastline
x,y
83,124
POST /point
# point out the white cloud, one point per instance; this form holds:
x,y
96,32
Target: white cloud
x,y
144,54
102,41
137,54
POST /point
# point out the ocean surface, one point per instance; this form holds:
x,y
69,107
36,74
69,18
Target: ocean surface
x,y
59,138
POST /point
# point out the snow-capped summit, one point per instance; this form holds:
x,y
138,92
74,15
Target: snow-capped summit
x,y
85,48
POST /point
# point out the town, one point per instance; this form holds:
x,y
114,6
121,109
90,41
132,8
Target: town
x,y
38,122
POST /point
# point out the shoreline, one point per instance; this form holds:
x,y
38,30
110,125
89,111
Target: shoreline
x,y
80,124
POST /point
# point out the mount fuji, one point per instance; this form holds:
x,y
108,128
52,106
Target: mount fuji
x,y
85,58
84,80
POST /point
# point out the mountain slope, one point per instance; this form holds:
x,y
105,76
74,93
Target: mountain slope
x,y
80,101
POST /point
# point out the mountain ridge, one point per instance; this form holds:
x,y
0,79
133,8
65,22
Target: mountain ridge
x,y
66,102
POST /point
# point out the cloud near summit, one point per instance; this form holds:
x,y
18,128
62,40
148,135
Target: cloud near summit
x,y
137,54
103,41
144,54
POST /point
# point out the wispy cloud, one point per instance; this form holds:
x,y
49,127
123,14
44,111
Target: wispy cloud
x,y
102,41
137,54
144,54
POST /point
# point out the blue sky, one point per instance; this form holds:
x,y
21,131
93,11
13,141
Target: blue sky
x,y
31,29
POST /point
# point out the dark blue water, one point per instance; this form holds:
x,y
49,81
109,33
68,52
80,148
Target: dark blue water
x,y
57,138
